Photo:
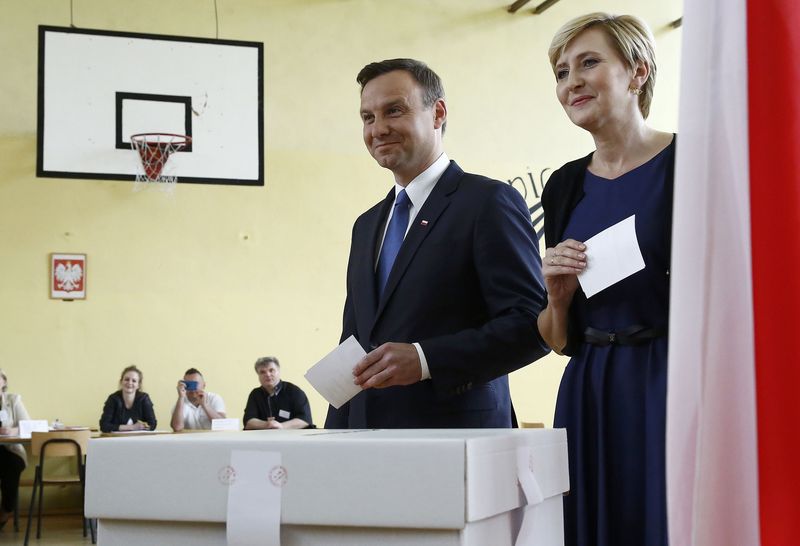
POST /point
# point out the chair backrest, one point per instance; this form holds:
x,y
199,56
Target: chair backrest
x,y
527,424
67,445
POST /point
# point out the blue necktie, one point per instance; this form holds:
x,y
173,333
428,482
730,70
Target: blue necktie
x,y
393,240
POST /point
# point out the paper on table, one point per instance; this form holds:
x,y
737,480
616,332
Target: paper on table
x,y
26,426
230,423
611,255
255,481
333,375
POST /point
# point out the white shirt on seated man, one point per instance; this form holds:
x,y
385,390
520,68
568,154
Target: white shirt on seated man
x,y
195,408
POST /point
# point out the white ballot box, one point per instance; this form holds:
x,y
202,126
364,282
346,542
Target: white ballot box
x,y
364,487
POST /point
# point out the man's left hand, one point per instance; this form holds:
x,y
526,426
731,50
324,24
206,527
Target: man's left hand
x,y
389,365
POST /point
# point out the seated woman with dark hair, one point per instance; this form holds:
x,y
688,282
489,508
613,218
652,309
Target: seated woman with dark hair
x,y
12,456
129,408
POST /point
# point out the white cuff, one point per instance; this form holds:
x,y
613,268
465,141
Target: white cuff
x,y
423,362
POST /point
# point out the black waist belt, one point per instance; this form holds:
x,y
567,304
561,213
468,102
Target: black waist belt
x,y
632,335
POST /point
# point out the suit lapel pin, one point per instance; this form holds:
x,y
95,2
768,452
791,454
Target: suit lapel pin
x,y
423,223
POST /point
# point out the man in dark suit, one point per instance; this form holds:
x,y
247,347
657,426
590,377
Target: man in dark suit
x,y
444,279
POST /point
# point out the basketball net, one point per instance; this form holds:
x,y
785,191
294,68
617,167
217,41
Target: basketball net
x,y
154,170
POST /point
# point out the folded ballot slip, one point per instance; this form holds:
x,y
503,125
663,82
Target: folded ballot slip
x,y
332,376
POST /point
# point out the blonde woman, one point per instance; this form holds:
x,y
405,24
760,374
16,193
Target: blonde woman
x,y
12,456
612,398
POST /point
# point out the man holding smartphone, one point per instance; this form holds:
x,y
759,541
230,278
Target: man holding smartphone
x,y
195,408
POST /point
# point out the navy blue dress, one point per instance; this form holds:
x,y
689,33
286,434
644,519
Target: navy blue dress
x,y
612,399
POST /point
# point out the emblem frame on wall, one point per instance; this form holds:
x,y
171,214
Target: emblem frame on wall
x,y
67,276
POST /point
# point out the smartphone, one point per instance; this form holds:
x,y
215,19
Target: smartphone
x,y
190,385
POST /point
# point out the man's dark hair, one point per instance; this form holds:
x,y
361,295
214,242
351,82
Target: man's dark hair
x,y
191,371
429,81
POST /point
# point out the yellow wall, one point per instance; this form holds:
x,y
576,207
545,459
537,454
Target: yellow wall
x,y
220,275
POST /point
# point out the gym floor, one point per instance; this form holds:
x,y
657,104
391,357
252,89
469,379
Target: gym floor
x,y
56,530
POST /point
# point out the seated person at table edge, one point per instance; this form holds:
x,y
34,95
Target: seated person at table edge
x,y
13,458
196,407
275,404
129,408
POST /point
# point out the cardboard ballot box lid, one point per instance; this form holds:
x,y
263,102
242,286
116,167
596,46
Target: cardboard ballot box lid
x,y
439,479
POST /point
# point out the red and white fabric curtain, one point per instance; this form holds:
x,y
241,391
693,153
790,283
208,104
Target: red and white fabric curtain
x,y
733,410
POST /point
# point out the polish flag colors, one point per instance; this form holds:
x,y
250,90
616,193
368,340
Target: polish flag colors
x,y
733,408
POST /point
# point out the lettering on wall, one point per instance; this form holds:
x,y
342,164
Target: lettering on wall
x,y
530,186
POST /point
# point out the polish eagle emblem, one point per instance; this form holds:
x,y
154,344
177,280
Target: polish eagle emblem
x,y
68,276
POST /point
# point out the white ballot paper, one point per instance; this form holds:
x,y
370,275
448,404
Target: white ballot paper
x,y
26,426
255,480
533,497
333,375
611,255
230,423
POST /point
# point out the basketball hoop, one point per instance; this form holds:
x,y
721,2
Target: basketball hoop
x,y
154,151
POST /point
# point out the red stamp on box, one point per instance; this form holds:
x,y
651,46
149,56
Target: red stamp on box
x,y
278,475
227,475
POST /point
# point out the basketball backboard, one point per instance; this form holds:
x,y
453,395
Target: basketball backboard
x,y
97,87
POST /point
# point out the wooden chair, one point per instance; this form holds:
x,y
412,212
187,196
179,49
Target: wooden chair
x,y
528,424
58,444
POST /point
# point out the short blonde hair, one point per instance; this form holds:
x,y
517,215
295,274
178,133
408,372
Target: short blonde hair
x,y
629,35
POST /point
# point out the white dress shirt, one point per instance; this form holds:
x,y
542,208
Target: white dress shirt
x,y
195,417
418,191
